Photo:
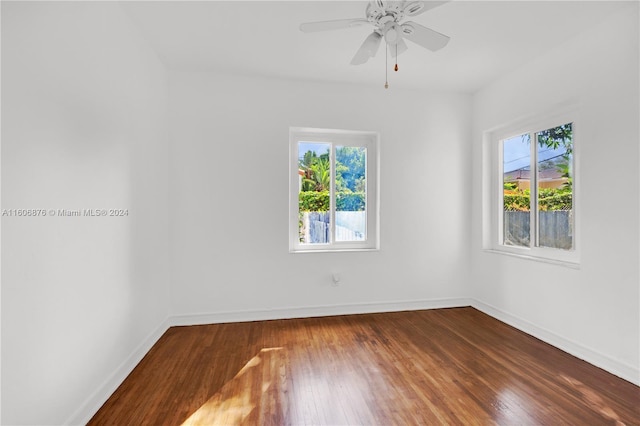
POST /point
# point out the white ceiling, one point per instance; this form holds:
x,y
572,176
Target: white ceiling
x,y
488,39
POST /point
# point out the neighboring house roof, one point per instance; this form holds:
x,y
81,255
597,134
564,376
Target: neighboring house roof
x,y
525,174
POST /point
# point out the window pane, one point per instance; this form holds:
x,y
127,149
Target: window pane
x,y
351,191
555,187
314,178
516,176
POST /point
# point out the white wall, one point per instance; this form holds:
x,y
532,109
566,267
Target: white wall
x,y
229,197
83,126
594,311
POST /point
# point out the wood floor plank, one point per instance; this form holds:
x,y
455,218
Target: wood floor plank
x,y
447,366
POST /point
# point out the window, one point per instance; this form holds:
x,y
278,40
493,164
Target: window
x,y
333,190
534,205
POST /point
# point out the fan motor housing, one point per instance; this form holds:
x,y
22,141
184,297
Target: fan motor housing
x,y
379,13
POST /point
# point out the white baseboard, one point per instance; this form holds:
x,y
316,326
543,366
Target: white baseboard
x,y
93,403
316,311
615,367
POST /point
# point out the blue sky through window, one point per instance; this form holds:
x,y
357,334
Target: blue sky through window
x,y
517,153
318,147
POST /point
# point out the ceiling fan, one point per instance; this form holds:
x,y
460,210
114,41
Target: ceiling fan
x,y
386,18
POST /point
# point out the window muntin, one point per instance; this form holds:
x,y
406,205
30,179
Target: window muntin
x,y
333,190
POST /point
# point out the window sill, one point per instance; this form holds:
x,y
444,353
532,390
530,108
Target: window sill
x,y
565,263
334,250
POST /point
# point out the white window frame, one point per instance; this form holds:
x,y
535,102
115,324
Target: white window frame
x,y
369,140
493,188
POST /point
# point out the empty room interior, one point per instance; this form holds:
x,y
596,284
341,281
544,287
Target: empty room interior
x,y
317,212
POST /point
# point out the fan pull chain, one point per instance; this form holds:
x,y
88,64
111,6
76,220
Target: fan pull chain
x,y
386,66
396,67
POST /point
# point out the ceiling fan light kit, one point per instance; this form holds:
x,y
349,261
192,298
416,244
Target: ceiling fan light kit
x,y
386,17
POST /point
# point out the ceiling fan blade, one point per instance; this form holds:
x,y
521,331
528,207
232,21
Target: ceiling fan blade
x,y
424,36
368,49
311,27
413,8
402,47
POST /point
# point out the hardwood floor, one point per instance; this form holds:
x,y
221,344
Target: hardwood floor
x,y
445,366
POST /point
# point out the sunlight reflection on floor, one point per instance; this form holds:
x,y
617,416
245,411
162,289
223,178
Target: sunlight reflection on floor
x,y
236,400
511,404
594,401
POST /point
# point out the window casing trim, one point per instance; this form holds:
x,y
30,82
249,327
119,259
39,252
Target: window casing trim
x,y
368,139
493,187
